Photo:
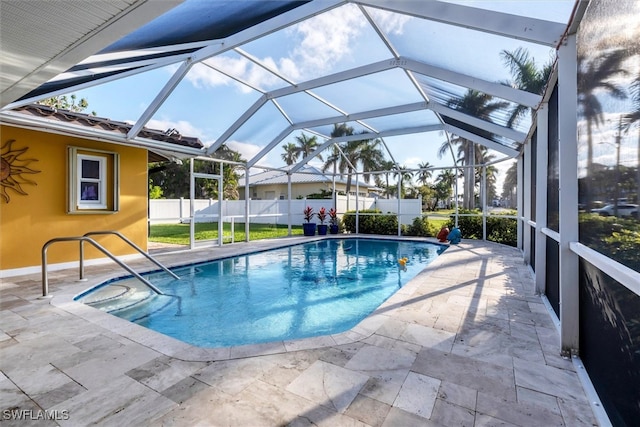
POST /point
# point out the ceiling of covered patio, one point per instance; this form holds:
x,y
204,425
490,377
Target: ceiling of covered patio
x,y
253,75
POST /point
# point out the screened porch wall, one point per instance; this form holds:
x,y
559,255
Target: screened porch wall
x,y
607,150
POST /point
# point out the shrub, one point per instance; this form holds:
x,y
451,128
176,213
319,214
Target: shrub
x,y
322,215
623,247
499,230
421,227
308,213
333,216
323,194
373,222
616,238
470,226
502,230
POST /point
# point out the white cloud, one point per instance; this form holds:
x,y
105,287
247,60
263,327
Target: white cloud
x,y
325,39
248,151
390,23
411,162
185,128
289,68
242,68
204,77
320,42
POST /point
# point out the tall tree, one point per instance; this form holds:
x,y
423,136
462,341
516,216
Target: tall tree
x,y
447,178
526,76
71,103
370,156
441,191
290,155
595,78
173,178
365,153
424,174
465,150
387,166
307,145
335,159
491,174
628,120
482,106
510,185
230,175
405,179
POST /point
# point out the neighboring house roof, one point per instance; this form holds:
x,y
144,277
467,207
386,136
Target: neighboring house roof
x,y
120,129
308,174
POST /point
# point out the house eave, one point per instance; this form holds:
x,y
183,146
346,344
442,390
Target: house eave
x,y
10,118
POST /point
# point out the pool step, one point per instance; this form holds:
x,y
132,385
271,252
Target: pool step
x,y
132,301
147,307
116,297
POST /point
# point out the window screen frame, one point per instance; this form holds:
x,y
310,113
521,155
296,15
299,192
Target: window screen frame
x,y
105,185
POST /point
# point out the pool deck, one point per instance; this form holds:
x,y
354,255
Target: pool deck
x,y
465,343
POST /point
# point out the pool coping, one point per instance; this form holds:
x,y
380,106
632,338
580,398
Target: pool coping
x,y
175,348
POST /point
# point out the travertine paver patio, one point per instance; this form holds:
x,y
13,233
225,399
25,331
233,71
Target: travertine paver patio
x,y
466,343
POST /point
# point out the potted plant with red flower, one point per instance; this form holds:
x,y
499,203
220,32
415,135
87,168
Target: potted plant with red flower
x,y
333,221
322,227
309,228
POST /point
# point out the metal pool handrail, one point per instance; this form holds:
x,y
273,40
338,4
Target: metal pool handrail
x,y
81,239
133,245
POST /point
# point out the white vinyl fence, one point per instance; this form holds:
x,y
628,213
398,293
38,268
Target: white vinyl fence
x,y
173,211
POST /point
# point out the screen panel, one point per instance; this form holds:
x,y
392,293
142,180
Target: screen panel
x,y
610,342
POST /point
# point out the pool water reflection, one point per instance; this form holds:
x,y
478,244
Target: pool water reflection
x,y
312,289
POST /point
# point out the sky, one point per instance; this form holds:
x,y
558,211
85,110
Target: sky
x,y
206,103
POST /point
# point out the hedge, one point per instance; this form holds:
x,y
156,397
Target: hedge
x,y
371,221
499,230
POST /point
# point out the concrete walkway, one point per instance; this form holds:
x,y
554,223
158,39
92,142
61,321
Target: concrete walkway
x,y
465,343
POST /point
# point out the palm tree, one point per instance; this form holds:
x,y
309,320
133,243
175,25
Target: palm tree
x,y
290,155
405,178
335,159
480,105
628,120
526,76
594,78
365,152
463,157
370,157
483,157
447,178
341,129
425,173
387,166
307,145
510,186
230,175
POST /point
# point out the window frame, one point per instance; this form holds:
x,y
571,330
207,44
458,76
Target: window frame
x,y
97,185
105,185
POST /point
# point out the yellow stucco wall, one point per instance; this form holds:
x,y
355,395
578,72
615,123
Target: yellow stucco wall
x,y
27,222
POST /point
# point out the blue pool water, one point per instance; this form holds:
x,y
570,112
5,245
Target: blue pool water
x,y
300,291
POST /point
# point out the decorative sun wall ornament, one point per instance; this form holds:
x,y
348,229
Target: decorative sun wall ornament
x,y
12,167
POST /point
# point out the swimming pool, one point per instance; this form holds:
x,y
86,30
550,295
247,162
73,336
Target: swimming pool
x,y
317,288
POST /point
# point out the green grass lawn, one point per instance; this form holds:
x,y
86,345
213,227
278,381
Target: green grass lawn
x,y
179,233
440,217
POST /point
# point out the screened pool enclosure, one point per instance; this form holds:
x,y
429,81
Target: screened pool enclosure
x,y
530,104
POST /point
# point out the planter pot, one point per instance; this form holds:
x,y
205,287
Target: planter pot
x,y
322,229
333,229
309,228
